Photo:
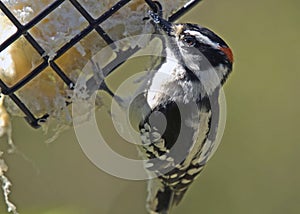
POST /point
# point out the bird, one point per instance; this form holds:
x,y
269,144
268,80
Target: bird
x,y
179,128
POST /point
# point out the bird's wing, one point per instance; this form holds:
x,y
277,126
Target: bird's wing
x,y
172,134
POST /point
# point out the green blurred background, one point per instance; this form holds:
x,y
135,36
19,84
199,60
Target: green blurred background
x,y
256,168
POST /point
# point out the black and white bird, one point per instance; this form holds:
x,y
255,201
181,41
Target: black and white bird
x,y
179,130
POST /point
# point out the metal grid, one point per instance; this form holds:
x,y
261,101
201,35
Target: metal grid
x,y
94,24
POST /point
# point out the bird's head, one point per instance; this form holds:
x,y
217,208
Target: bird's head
x,y
199,49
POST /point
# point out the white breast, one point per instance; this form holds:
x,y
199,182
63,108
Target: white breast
x,y
162,79
168,83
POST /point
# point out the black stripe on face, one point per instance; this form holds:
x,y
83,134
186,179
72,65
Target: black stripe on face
x,y
206,32
215,56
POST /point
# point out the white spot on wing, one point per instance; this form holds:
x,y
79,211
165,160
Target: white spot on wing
x,y
186,181
148,165
194,171
174,176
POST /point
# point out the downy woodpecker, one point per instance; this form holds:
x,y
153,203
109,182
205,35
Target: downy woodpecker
x,y
179,131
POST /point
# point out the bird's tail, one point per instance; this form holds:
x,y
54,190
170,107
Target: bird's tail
x,y
162,198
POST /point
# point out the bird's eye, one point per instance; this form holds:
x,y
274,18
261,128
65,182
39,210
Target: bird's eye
x,y
190,41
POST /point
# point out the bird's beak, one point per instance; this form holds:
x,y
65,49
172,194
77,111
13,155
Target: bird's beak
x,y
165,25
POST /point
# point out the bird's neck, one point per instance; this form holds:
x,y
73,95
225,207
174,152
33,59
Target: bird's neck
x,y
171,83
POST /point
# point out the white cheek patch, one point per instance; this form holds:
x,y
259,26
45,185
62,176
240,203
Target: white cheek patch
x,y
203,39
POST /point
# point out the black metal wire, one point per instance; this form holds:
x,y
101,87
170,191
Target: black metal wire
x,y
94,24
186,8
24,29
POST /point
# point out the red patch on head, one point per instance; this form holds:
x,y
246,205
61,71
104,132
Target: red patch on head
x,y
228,53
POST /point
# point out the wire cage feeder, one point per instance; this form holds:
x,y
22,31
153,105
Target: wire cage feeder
x,y
25,30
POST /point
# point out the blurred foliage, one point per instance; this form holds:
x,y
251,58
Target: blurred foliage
x,y
255,170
